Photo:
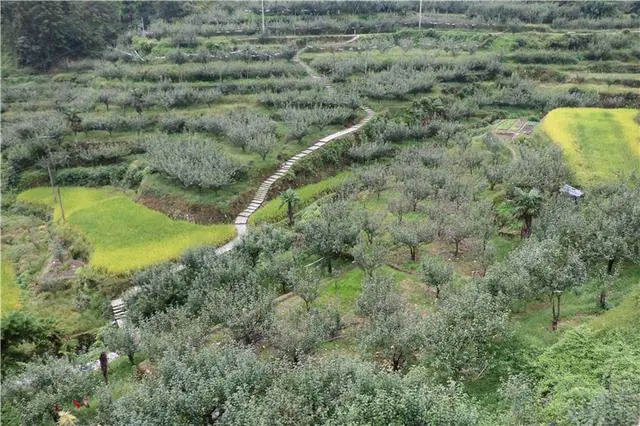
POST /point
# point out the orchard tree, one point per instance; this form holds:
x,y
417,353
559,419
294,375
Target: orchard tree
x,y
242,127
399,207
299,333
611,222
42,385
246,309
611,232
298,122
546,268
436,273
484,224
123,340
459,226
263,144
544,168
373,178
369,255
412,234
291,199
305,284
192,162
494,173
371,223
264,240
331,232
393,331
465,331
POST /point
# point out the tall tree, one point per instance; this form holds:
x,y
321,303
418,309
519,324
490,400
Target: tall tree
x,y
546,268
436,273
40,34
412,234
331,232
291,199
526,206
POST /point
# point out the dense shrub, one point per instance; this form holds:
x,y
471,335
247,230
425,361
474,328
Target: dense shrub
x,y
91,176
192,162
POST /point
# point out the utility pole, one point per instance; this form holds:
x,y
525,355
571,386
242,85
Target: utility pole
x,y
262,16
419,17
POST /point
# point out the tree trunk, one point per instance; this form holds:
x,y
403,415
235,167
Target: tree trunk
x,y
290,213
555,303
396,364
329,265
526,229
603,299
437,292
413,251
104,366
610,265
130,356
457,248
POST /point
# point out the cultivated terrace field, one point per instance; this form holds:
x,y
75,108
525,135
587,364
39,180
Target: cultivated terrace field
x,y
311,213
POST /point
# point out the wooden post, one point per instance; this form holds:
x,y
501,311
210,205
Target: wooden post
x,y
262,16
61,207
420,17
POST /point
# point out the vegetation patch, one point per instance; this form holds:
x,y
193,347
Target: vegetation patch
x,y
125,235
9,292
274,211
599,143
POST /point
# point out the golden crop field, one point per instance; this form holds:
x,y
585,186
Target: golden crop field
x,y
599,143
125,235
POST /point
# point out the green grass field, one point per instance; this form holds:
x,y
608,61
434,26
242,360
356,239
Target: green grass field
x,y
9,291
599,143
273,211
126,236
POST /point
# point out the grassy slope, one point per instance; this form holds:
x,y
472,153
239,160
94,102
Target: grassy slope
x,y
273,211
597,142
9,291
126,235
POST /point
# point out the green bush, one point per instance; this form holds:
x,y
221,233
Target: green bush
x,y
91,176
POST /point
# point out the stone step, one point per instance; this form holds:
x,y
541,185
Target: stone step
x,y
244,214
241,221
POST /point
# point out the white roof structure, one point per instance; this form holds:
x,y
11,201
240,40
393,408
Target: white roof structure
x,y
570,190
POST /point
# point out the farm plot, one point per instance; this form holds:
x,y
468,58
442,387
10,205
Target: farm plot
x,y
599,143
126,236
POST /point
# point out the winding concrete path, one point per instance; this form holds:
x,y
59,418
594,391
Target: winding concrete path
x,y
242,219
118,306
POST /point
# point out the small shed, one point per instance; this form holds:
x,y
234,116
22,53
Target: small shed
x,y
571,191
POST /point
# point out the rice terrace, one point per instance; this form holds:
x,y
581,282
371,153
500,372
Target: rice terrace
x,y
376,212
599,143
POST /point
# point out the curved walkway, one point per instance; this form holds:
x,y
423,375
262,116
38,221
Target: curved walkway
x,y
241,222
242,219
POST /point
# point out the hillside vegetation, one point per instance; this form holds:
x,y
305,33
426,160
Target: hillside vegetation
x,y
405,255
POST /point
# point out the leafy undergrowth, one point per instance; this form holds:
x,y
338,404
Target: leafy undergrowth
x,y
124,235
578,357
599,143
9,291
